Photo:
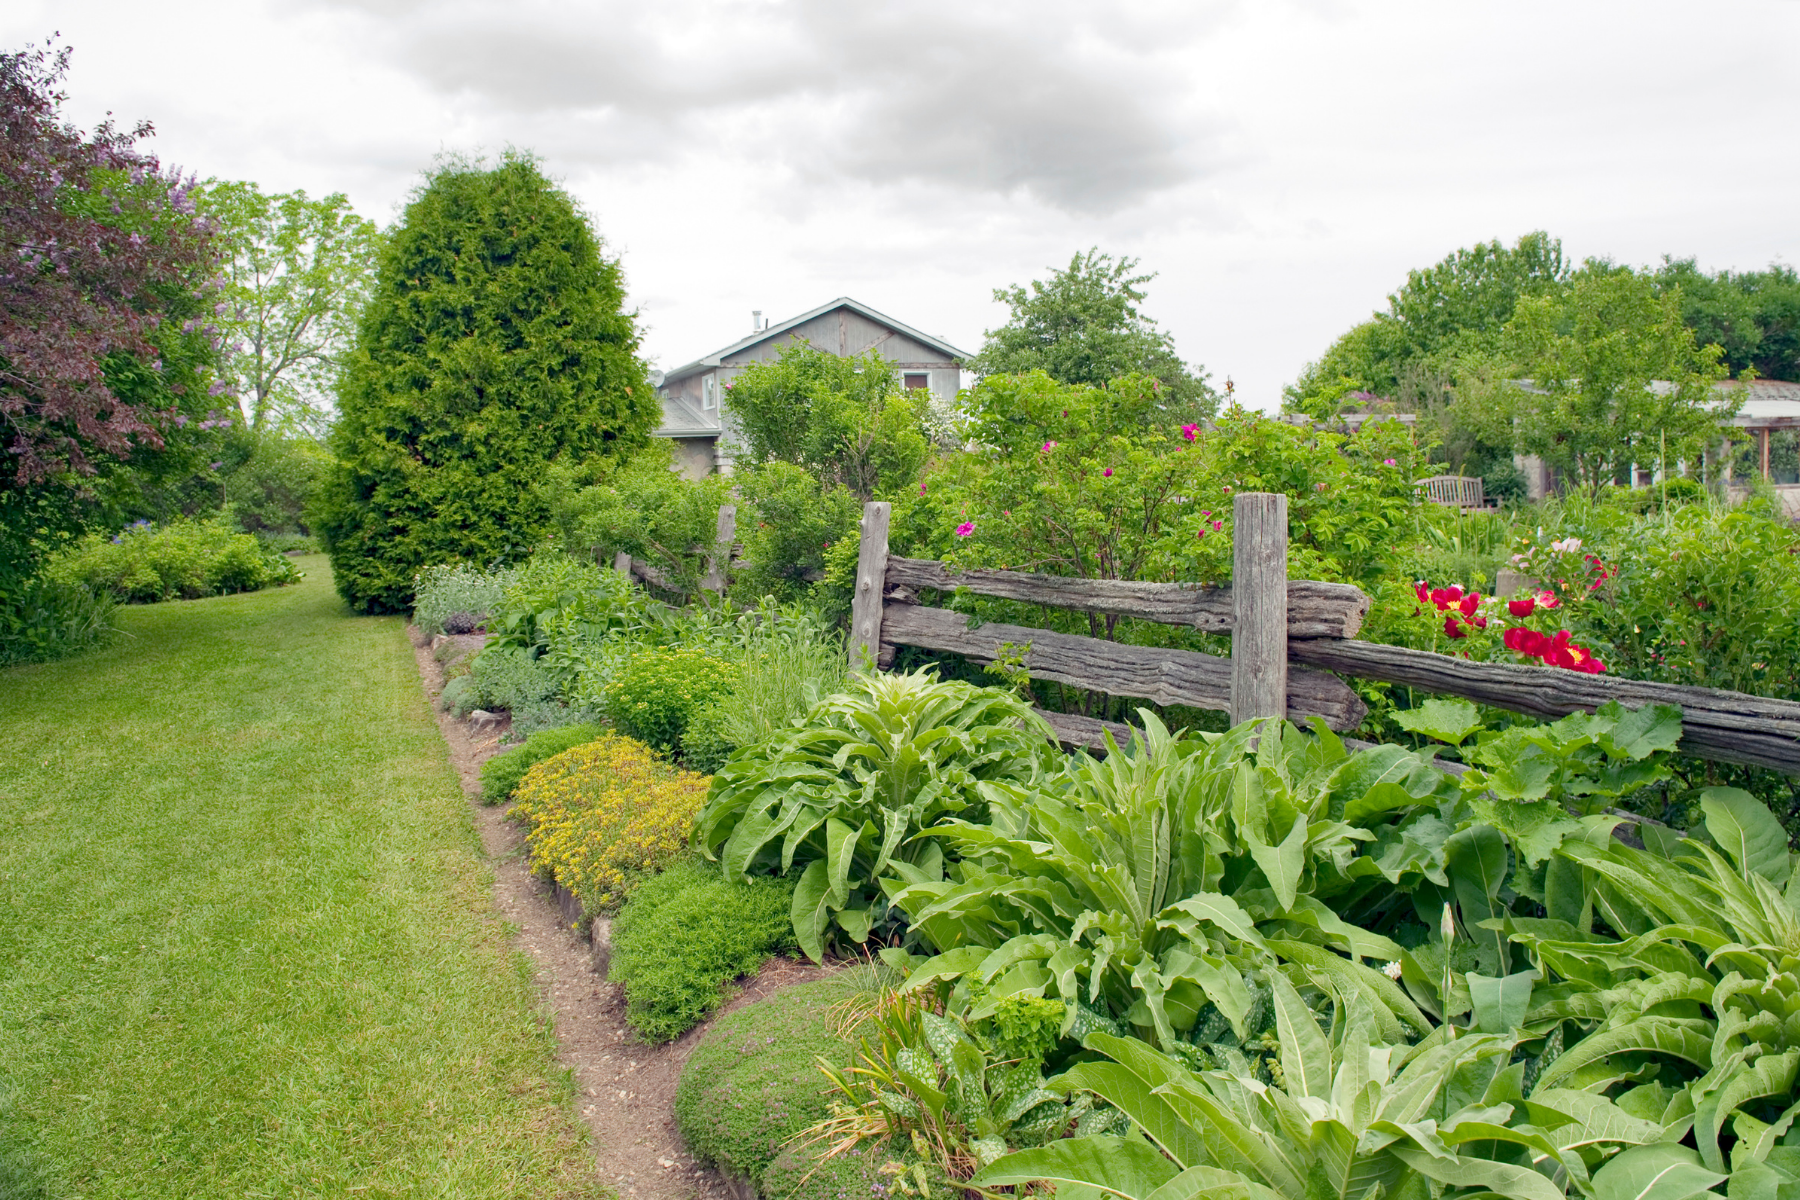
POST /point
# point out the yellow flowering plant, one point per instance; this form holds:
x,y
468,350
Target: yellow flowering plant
x,y
603,817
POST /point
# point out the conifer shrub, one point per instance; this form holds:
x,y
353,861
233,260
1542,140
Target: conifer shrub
x,y
602,817
496,342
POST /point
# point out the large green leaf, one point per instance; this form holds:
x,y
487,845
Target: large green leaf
x,y
1646,1034
1659,1171
1215,909
1305,1052
1576,1119
840,854
1117,1166
1446,720
1283,864
1639,733
811,910
1131,1094
1501,1004
1769,1075
1476,861
1747,832
1493,1178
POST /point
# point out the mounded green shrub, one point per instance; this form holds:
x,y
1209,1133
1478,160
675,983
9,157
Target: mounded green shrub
x,y
687,933
754,1082
496,342
658,691
501,773
180,560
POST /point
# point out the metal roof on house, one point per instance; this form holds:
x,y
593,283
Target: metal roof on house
x,y
717,357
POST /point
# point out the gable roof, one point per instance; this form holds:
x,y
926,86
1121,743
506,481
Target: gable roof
x,y
717,357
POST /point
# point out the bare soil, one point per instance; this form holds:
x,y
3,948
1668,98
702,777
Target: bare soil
x,y
626,1089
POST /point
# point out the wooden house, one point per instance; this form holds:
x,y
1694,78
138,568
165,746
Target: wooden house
x,y
694,419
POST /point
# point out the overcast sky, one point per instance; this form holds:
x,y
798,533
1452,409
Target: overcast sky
x,y
1280,165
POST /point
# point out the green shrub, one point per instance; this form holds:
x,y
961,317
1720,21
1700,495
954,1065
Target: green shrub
x,y
441,592
658,691
505,677
184,560
46,620
754,1082
645,509
704,746
686,934
288,543
603,817
802,1173
788,522
495,342
267,493
501,773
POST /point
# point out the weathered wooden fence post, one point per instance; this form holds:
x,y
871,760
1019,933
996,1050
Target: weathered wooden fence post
x,y
1259,604
718,563
871,576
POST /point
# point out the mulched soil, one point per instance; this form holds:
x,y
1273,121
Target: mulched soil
x,y
626,1088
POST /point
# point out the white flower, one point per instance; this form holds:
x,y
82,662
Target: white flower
x,y
1391,970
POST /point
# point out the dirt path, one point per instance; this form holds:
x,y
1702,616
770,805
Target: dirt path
x,y
626,1088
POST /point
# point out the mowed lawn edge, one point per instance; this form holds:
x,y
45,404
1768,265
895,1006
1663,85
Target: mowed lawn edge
x,y
247,945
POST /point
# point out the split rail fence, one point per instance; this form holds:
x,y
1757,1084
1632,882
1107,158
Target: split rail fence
x,y
1292,642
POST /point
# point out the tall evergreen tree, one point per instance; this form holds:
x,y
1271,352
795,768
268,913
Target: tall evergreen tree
x,y
496,342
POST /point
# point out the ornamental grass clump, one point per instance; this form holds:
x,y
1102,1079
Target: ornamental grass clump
x,y
603,817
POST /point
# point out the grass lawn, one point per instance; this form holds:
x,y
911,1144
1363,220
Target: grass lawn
x,y
246,946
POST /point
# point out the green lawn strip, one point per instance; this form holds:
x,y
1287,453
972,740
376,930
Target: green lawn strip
x,y
246,941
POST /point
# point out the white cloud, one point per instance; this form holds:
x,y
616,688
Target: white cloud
x,y
1281,165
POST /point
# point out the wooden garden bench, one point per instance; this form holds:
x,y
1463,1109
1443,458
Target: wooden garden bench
x,y
1457,491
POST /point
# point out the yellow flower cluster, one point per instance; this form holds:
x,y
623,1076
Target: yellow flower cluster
x,y
603,817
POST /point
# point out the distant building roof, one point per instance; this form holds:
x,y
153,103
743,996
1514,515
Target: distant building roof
x,y
769,332
1767,402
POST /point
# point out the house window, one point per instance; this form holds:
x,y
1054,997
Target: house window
x,y
709,393
915,380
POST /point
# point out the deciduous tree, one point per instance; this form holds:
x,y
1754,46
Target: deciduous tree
x,y
847,420
1616,376
1084,325
297,273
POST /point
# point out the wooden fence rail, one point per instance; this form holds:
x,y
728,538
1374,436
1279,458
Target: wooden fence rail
x,y
1285,636
1291,642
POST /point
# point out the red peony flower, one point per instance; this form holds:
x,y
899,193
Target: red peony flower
x,y
1453,627
1521,608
